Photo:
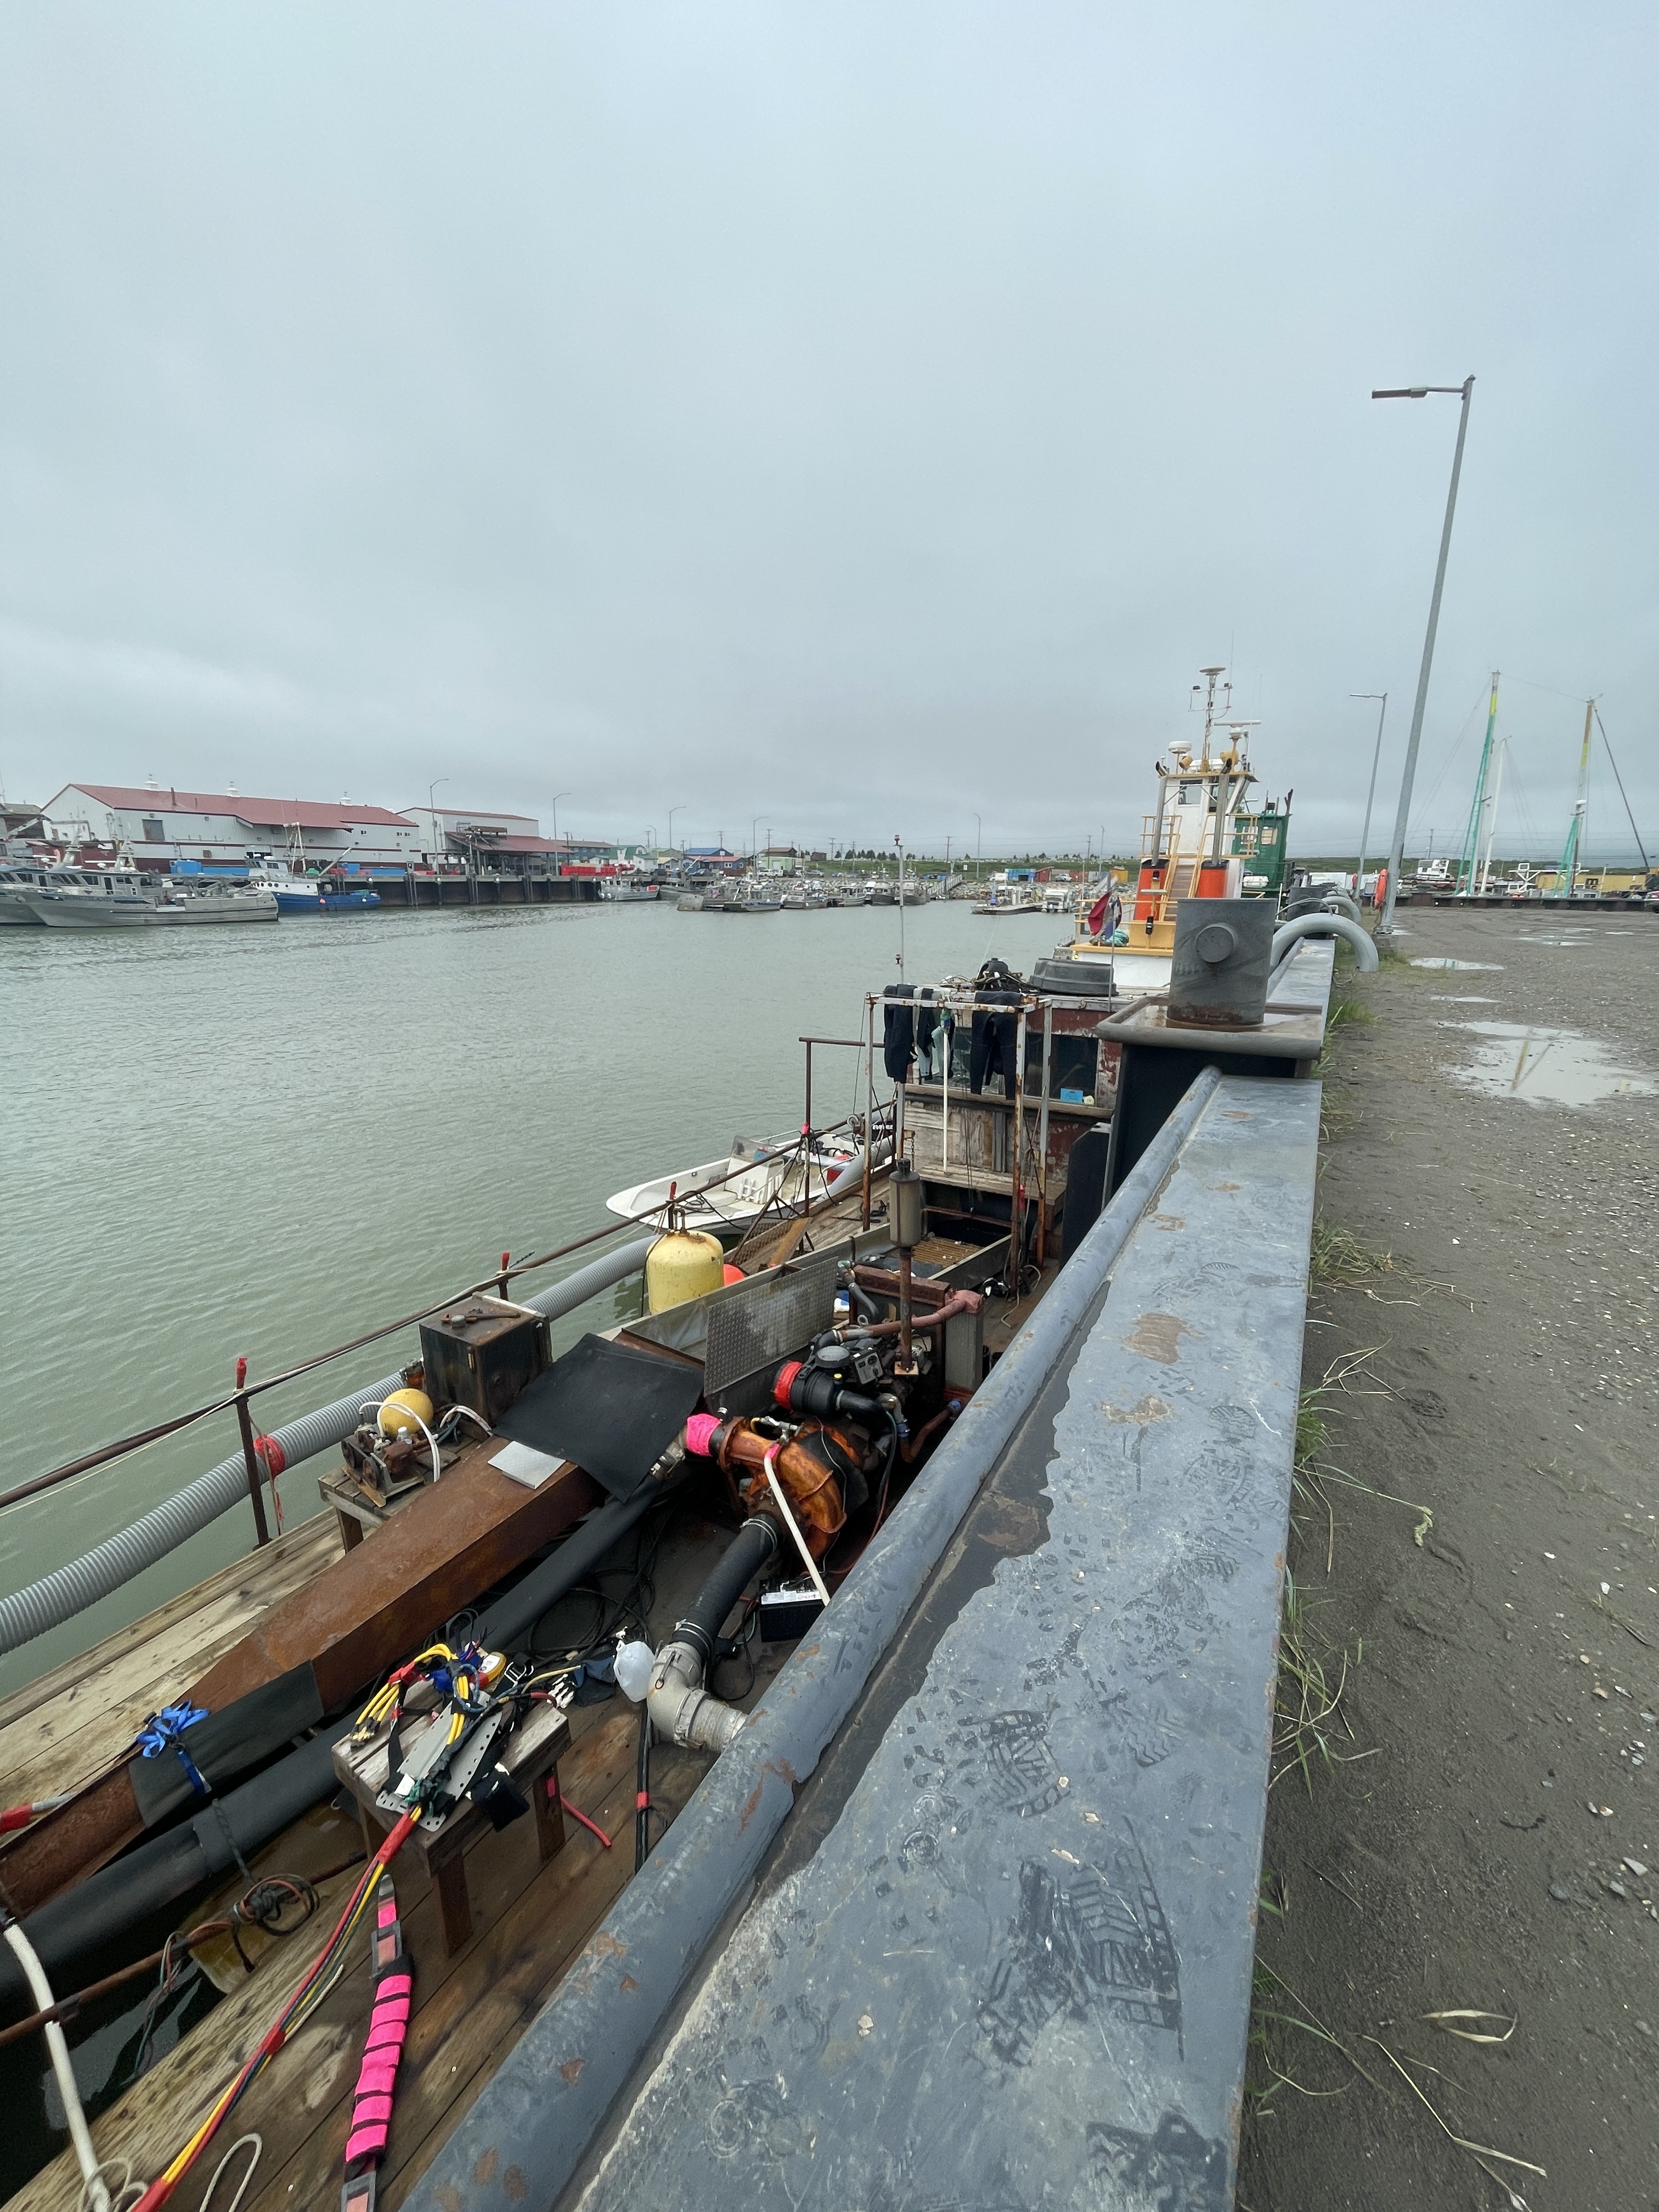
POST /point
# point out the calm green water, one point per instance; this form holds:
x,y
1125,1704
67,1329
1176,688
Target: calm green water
x,y
263,1140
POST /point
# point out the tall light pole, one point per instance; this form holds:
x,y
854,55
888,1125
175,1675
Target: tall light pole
x,y
1397,850
1376,754
557,796
433,811
672,812
978,840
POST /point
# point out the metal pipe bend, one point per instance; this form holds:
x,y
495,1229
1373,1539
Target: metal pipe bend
x,y
1327,925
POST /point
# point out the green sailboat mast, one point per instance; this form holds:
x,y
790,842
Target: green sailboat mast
x,y
1469,859
1572,852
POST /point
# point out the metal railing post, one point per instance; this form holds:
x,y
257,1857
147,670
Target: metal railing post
x,y
243,1421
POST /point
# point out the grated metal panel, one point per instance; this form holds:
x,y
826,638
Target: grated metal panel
x,y
780,1313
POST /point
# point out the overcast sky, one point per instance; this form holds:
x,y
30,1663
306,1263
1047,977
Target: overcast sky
x,y
852,416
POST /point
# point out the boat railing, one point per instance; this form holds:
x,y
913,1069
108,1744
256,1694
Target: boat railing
x,y
238,1401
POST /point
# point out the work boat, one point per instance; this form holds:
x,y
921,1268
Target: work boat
x,y
1204,841
17,877
122,898
444,1850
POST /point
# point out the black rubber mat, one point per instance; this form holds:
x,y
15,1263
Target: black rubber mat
x,y
612,1410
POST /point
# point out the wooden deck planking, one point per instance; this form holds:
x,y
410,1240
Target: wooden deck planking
x,y
58,1734
467,2024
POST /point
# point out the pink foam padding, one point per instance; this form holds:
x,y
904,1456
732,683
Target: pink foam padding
x,y
699,1433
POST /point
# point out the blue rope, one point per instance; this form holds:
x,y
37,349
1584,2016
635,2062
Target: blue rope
x,y
164,1731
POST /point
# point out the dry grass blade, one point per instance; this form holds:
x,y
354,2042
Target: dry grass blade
x,y
1336,1256
1350,1363
1479,2152
1443,2021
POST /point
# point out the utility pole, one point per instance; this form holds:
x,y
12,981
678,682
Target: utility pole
x,y
1397,849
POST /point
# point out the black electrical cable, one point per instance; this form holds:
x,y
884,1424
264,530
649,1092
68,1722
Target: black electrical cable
x,y
642,1791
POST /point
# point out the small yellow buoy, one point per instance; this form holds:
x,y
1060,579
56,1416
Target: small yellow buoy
x,y
684,1263
396,1412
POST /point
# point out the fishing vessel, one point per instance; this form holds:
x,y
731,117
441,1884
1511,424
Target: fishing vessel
x,y
17,877
123,898
618,891
556,1604
1204,840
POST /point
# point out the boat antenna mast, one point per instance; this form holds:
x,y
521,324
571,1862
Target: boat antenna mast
x,y
1211,677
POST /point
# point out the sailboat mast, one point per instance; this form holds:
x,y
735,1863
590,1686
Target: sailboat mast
x,y
1491,826
1573,852
1468,859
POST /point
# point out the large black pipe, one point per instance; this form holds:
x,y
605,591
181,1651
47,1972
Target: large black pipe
x,y
742,1560
171,1866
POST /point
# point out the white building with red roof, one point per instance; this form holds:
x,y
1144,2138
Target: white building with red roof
x,y
161,825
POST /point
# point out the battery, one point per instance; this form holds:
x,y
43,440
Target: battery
x,y
788,1612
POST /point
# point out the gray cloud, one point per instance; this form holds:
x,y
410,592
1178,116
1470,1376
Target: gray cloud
x,y
858,416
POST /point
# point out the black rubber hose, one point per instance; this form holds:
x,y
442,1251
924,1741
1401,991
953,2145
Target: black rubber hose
x,y
519,1608
743,1560
170,1866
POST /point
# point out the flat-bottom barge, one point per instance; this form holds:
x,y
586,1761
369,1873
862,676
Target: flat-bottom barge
x,y
806,1742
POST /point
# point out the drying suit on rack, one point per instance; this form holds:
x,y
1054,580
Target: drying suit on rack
x,y
994,1046
908,1024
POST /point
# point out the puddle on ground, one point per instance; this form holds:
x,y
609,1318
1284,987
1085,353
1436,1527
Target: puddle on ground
x,y
1451,998
1549,1067
1577,937
1496,967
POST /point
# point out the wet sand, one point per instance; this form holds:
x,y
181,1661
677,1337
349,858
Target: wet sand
x,y
1494,1771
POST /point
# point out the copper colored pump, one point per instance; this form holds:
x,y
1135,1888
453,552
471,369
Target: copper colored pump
x,y
806,1473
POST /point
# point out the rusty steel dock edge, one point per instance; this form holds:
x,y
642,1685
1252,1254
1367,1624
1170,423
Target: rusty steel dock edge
x,y
522,2140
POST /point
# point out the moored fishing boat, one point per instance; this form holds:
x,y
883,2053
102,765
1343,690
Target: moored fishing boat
x,y
1204,841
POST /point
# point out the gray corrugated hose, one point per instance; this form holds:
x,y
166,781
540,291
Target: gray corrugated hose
x,y
1327,925
58,1596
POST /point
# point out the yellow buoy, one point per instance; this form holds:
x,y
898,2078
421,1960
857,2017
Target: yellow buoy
x,y
396,1412
685,1263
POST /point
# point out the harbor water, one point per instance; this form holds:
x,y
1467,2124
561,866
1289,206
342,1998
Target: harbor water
x,y
262,1142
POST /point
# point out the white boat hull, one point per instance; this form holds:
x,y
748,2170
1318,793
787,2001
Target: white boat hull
x,y
747,1186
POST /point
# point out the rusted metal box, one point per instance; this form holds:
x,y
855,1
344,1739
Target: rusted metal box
x,y
482,1353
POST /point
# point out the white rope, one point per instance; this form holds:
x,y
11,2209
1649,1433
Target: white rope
x,y
793,1526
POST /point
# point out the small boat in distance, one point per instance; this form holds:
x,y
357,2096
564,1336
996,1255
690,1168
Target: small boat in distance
x,y
617,891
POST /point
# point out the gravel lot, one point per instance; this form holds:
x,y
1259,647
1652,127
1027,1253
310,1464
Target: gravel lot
x,y
1476,1843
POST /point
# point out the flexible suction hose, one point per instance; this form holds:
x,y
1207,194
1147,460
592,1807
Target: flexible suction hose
x,y
742,1560
58,1596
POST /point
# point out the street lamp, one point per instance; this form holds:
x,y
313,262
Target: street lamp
x,y
1397,850
1376,754
437,841
557,796
672,812
979,839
